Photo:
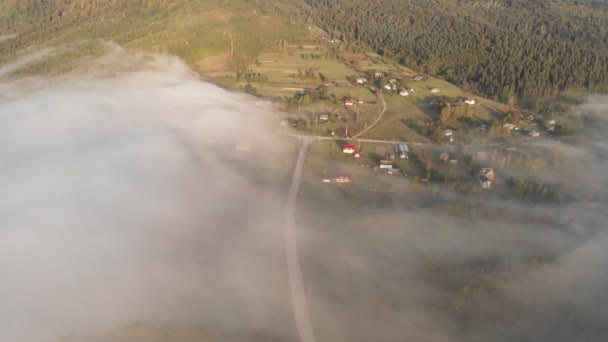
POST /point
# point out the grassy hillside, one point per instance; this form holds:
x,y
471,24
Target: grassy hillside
x,y
211,35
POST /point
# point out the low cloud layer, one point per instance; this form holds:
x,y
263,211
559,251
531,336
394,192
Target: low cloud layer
x,y
124,200
134,192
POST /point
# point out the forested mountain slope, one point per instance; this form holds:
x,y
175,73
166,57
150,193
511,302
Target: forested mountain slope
x,y
504,49
501,48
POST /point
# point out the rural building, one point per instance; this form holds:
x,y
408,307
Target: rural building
x,y
360,102
349,102
486,177
434,90
510,126
388,87
324,117
404,92
418,77
349,148
448,132
386,164
344,178
470,102
361,80
378,74
403,151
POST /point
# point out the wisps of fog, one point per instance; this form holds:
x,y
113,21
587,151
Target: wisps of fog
x,y
124,200
30,57
134,192
398,266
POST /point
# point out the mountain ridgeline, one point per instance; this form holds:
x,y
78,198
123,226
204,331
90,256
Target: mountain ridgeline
x,y
503,49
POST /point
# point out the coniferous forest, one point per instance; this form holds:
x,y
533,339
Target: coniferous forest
x,y
503,49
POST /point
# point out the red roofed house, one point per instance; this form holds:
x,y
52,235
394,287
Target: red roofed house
x,y
349,148
349,102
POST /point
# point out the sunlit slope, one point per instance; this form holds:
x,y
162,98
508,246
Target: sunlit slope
x,y
209,35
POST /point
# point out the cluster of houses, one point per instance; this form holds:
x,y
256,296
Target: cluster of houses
x,y
392,86
485,176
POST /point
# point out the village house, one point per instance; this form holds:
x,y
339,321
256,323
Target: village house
x,y
386,164
324,117
470,102
486,177
434,90
361,80
379,74
418,77
403,151
349,149
349,102
510,126
388,87
448,132
403,92
359,101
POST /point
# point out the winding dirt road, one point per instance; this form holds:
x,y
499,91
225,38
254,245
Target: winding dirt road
x,y
377,120
299,301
